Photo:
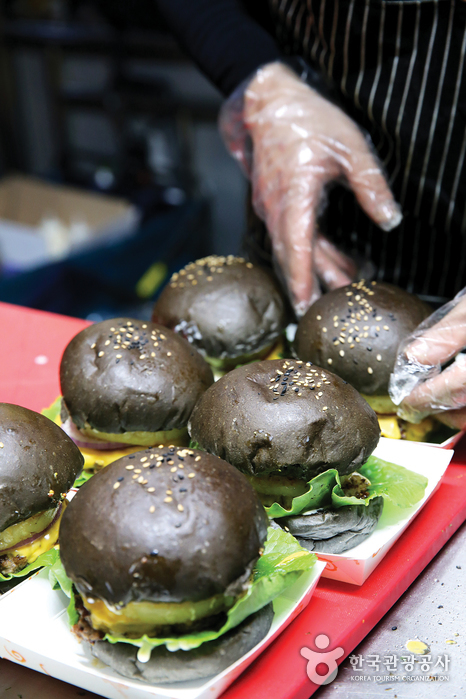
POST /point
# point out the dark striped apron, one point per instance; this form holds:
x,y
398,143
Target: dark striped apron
x,y
398,66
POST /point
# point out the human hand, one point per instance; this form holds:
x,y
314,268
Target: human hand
x,y
301,142
419,384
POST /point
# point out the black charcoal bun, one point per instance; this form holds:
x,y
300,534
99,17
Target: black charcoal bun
x,y
328,530
186,529
167,667
285,417
38,464
223,305
355,331
126,375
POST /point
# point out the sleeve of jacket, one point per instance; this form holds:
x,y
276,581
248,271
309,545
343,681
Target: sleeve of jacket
x,y
227,44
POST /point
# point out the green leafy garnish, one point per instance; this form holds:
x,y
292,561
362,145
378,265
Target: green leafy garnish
x,y
281,564
401,486
84,476
59,580
53,411
195,445
46,559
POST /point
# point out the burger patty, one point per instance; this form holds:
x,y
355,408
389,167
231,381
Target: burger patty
x,y
84,630
12,564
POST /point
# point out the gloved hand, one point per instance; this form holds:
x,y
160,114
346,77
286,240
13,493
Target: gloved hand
x,y
301,142
420,384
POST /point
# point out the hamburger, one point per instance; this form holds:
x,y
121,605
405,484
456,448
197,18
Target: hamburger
x,y
38,465
164,548
304,438
127,383
229,309
355,331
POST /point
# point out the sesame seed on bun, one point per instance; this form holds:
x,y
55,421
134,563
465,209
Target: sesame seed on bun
x,y
162,525
128,375
285,417
355,331
224,306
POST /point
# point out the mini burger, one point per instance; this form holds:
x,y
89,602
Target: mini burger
x,y
229,309
355,331
284,422
128,383
164,549
303,437
38,465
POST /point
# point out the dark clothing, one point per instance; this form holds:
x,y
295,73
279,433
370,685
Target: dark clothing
x,y
398,67
223,37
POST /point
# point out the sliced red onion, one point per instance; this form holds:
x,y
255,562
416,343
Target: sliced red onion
x,y
86,442
32,538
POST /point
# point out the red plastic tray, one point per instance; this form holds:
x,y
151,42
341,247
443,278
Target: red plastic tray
x,y
31,346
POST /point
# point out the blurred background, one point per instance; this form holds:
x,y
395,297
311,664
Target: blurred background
x,y
112,171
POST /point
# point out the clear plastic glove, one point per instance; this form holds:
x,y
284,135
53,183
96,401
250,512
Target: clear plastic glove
x,y
292,142
430,370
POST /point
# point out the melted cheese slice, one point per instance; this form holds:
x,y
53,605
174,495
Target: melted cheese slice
x,y
389,426
138,618
277,350
98,458
44,543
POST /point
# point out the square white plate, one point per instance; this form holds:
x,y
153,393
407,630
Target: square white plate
x,y
34,632
355,566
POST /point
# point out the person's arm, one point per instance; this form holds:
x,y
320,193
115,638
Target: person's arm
x,y
227,44
300,141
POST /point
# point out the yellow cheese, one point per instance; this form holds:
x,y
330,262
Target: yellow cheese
x,y
138,618
33,550
419,432
95,459
389,426
277,350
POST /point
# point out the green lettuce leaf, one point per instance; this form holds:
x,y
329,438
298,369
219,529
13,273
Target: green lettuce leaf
x,y
195,445
45,559
281,564
53,411
401,486
59,580
82,478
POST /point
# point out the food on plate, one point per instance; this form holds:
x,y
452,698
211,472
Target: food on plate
x,y
166,549
128,383
303,437
229,309
38,465
355,332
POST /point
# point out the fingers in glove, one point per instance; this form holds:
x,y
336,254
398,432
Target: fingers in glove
x,y
443,392
333,268
456,419
292,242
369,185
330,273
443,340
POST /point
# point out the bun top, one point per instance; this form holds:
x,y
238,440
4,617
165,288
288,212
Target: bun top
x,y
355,331
163,525
285,417
223,305
38,464
125,375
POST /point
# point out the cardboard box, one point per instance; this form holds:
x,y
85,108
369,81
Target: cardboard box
x,y
42,222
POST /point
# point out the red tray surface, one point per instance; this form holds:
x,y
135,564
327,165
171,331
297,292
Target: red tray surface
x,y
31,346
